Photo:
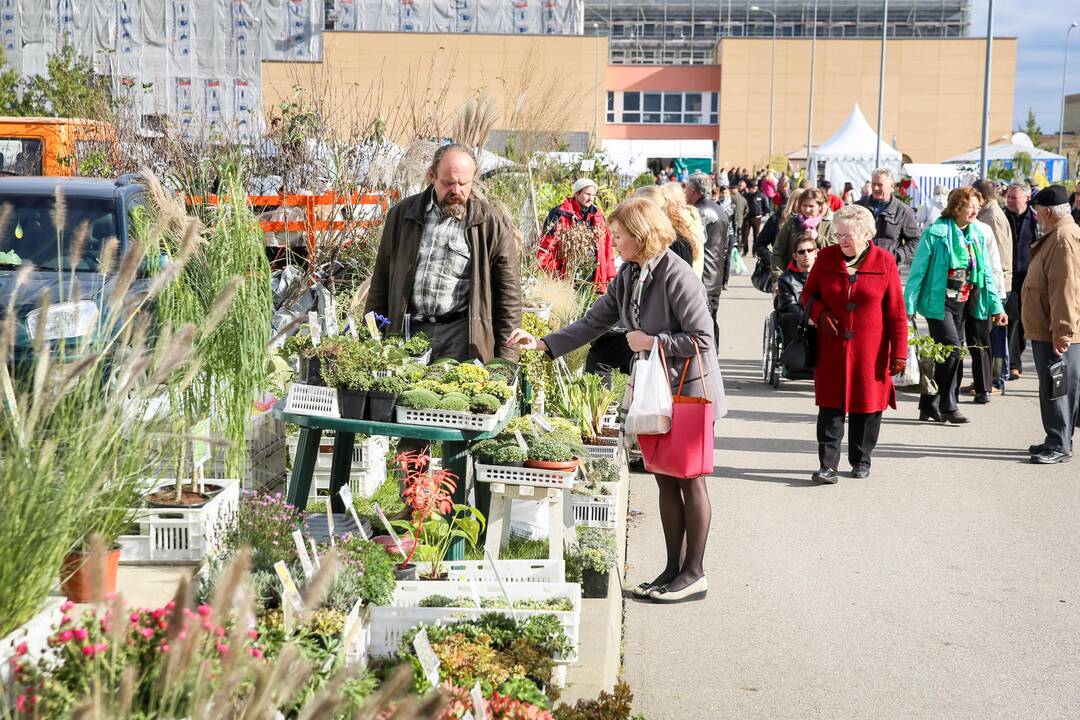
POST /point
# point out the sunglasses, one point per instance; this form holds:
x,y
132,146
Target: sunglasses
x,y
808,251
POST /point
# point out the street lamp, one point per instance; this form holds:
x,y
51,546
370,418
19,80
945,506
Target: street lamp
x,y
772,82
1064,69
810,112
881,83
596,89
986,88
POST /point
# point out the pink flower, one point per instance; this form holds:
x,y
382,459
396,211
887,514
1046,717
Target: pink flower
x,y
253,634
256,653
204,610
80,634
222,648
66,636
164,647
147,633
135,618
21,649
66,605
88,650
101,647
219,631
65,619
158,614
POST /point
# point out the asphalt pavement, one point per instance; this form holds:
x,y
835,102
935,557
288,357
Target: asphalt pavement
x,y
944,586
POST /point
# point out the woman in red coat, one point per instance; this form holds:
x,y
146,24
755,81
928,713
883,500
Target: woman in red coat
x,y
853,295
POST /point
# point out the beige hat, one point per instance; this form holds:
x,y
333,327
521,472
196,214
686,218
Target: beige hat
x,y
582,184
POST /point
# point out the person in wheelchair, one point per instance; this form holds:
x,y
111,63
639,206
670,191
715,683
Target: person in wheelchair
x,y
790,311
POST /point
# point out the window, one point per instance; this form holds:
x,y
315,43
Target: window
x,y
668,108
631,101
652,107
610,107
714,113
20,156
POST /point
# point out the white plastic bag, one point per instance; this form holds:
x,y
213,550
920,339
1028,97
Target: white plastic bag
x,y
911,376
650,408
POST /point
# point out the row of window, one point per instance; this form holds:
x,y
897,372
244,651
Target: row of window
x,y
666,108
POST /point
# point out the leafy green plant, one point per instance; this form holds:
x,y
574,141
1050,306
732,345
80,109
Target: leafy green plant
x,y
484,404
298,346
394,383
350,369
584,398
550,450
928,348
264,522
454,404
616,705
594,550
418,399
467,372
508,454
374,566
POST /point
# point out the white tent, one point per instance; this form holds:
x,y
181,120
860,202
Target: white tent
x,y
924,176
631,156
1052,164
848,155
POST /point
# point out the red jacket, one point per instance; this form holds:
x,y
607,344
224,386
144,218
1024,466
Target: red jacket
x,y
564,216
852,371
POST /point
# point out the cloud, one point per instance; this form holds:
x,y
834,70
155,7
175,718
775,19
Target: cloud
x,y
1040,32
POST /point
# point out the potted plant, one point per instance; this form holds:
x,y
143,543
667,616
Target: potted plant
x,y
509,455
382,398
435,519
590,559
418,399
350,373
300,348
549,453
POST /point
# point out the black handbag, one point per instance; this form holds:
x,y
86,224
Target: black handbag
x,y
801,352
1055,383
762,276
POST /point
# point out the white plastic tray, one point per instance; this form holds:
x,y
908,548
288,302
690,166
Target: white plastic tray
x,y
525,476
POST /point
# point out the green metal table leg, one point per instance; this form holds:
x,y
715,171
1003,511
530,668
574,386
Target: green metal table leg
x,y
341,466
307,452
525,401
456,460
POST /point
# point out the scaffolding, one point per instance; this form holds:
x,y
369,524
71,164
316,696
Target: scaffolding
x,y
669,32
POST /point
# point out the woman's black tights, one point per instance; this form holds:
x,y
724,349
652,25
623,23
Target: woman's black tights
x,y
686,514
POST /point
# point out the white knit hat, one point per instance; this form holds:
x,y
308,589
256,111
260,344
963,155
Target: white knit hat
x,y
582,184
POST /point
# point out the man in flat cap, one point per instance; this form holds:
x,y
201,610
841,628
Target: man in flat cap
x,y
1051,317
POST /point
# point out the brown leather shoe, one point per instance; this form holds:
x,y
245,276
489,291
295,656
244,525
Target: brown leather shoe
x,y
1014,374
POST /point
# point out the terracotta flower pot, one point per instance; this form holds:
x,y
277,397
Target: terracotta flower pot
x,y
560,465
78,577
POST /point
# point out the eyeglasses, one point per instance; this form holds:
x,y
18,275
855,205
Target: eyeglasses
x,y
806,251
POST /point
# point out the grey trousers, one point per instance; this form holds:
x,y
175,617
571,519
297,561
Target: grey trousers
x,y
1058,416
449,340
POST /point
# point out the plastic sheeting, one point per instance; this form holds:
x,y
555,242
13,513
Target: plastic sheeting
x,y
509,17
201,58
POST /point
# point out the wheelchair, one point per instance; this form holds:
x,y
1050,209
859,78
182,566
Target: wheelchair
x,y
773,369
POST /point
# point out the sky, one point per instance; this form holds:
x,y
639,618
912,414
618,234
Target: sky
x,y
1040,27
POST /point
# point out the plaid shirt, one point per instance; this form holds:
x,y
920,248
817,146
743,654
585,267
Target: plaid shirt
x,y
443,267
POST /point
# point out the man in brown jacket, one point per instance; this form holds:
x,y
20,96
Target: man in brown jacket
x,y
1051,310
450,261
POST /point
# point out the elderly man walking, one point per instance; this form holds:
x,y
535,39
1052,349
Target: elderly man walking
x,y
449,260
1051,307
897,229
715,220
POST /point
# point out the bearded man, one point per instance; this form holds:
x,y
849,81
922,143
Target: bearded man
x,y
450,260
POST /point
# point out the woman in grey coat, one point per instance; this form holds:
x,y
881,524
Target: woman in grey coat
x,y
658,296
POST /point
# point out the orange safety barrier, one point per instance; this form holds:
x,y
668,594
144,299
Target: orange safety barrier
x,y
310,224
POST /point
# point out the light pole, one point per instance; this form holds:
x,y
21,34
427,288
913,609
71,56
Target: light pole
x,y
1064,70
810,112
986,88
881,84
772,82
596,90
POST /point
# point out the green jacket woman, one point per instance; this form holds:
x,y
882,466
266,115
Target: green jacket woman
x,y
944,246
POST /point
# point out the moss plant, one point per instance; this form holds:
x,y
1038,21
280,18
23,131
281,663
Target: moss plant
x,y
548,449
484,404
419,399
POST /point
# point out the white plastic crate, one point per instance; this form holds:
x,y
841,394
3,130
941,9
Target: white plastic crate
x,y
181,534
525,476
34,632
312,400
462,420
368,469
605,452
542,312
597,511
515,571
390,624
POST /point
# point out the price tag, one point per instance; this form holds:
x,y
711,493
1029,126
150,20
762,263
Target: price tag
x,y
475,594
314,554
495,569
543,424
329,312
429,661
352,627
478,363
351,327
408,326
522,445
200,444
330,522
302,553
372,325
345,493
289,589
477,696
313,326
394,535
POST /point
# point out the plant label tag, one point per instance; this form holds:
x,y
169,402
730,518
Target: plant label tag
x,y
345,493
475,594
429,661
543,424
302,553
467,716
495,569
407,327
522,445
372,325
330,522
354,623
313,326
351,327
200,444
290,591
587,165
314,554
394,535
477,696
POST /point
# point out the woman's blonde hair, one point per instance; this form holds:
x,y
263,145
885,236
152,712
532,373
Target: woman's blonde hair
x,y
959,199
816,195
791,205
857,218
644,221
684,217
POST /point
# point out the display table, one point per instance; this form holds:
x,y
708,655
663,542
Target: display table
x,y
455,457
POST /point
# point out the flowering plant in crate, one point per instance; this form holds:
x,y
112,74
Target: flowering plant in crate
x,y
436,520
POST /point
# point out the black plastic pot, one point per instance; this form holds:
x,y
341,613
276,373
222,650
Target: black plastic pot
x,y
405,572
594,584
352,403
311,371
381,406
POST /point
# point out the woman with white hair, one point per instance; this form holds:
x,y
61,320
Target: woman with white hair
x,y
853,296
577,209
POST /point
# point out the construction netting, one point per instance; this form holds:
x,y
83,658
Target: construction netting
x,y
538,17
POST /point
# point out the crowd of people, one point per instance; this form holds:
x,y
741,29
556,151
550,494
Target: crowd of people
x,y
986,279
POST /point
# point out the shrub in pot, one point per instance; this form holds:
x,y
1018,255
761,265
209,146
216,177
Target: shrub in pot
x,y
349,372
382,398
509,455
484,404
548,453
418,399
590,559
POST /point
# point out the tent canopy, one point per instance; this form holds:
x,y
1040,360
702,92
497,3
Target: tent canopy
x,y
1004,152
924,176
632,156
849,154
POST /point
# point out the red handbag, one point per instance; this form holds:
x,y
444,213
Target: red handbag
x,y
685,451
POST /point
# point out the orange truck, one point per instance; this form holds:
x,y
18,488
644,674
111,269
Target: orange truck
x,y
45,146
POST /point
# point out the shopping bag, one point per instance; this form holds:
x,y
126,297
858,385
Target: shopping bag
x,y
911,375
650,408
738,267
686,450
927,384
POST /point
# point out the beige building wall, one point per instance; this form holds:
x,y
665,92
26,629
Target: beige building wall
x,y
933,94
552,83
